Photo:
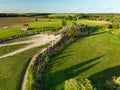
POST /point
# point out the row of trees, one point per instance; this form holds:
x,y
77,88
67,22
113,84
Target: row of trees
x,y
113,18
24,14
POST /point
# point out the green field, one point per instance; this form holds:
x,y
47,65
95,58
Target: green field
x,y
52,24
11,48
95,57
12,69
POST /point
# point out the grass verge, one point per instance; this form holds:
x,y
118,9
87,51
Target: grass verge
x,y
11,48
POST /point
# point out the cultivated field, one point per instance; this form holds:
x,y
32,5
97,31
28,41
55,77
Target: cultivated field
x,y
8,21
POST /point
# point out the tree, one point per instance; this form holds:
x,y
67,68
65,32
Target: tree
x,y
113,84
72,32
78,84
64,22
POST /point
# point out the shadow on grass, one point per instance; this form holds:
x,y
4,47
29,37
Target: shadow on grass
x,y
54,79
98,33
95,28
33,28
99,78
23,73
44,28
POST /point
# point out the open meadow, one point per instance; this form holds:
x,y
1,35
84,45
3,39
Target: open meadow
x,y
95,57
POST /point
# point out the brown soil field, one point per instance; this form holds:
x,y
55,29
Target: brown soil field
x,y
8,21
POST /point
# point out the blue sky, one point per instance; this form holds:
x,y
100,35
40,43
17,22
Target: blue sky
x,y
60,6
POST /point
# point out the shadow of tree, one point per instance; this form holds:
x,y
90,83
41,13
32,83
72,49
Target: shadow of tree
x,y
99,78
33,28
54,79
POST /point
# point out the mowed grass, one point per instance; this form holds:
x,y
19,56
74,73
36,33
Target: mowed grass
x,y
11,48
45,25
12,69
52,24
8,33
95,57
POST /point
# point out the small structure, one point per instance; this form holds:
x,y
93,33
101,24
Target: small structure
x,y
26,26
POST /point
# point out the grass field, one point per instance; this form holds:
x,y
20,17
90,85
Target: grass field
x,y
95,57
52,24
12,69
11,48
34,27
45,25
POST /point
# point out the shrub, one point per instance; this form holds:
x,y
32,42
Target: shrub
x,y
110,26
64,22
113,84
72,33
78,84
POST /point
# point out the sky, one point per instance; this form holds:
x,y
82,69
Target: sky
x,y
59,6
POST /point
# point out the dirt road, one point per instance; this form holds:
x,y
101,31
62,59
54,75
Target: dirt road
x,y
34,41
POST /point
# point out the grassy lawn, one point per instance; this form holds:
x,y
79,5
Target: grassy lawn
x,y
52,24
95,57
12,69
7,33
11,48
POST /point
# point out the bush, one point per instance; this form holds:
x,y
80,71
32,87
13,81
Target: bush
x,y
110,26
72,32
78,84
64,22
113,84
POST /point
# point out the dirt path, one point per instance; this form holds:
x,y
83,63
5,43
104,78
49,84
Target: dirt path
x,y
35,41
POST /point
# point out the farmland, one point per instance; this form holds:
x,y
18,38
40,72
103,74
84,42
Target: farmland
x,y
15,30
8,21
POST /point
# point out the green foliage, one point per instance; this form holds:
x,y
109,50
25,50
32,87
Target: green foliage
x,y
78,84
64,22
113,84
110,26
29,85
72,32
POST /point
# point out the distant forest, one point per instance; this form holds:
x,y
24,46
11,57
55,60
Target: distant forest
x,y
23,14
